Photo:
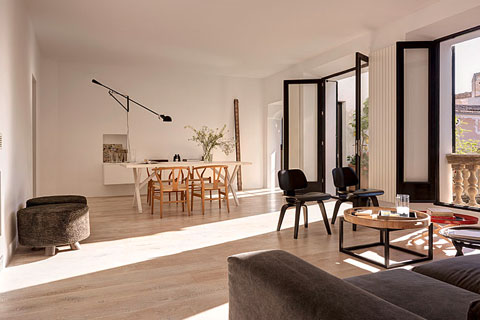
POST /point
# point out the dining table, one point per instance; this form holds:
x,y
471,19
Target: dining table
x,y
137,167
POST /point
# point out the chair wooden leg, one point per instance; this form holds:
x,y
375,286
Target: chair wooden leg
x,y
325,217
182,198
191,200
226,199
75,246
187,199
305,216
374,201
282,215
148,192
219,199
50,251
211,196
298,208
356,203
152,204
176,198
203,201
161,205
335,211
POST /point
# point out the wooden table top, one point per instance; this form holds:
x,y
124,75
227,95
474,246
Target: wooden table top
x,y
396,223
137,165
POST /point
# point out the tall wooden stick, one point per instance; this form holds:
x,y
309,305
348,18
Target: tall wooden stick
x,y
237,143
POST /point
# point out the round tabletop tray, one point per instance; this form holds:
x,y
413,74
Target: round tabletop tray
x,y
462,233
394,223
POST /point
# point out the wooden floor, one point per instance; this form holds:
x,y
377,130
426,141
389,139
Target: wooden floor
x,y
138,266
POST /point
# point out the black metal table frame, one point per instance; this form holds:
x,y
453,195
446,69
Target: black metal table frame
x,y
385,242
459,244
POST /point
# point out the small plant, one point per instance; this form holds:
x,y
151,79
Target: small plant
x,y
364,137
352,160
210,139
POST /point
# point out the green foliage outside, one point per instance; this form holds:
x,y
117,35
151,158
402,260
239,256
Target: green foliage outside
x,y
364,137
462,145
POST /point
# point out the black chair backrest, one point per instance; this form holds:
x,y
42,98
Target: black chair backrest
x,y
291,180
344,177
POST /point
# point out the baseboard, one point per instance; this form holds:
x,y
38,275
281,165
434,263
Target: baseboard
x,y
11,248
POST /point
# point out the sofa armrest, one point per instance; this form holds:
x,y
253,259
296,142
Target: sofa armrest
x,y
277,285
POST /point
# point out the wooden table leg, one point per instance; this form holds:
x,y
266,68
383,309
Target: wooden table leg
x,y
231,182
137,198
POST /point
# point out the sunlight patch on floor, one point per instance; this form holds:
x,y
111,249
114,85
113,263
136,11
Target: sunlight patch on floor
x,y
220,312
98,256
361,265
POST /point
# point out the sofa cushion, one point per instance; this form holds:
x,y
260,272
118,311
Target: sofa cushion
x,y
56,200
422,295
463,272
275,284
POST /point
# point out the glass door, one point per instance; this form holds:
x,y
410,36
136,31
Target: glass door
x,y
361,119
417,120
304,146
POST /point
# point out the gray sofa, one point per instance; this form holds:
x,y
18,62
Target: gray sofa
x,y
277,285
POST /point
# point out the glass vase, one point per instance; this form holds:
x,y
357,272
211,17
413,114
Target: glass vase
x,y
207,157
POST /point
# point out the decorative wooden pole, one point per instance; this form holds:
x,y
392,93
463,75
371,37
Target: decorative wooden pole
x,y
237,143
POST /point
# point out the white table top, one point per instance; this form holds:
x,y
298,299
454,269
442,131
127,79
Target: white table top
x,y
132,165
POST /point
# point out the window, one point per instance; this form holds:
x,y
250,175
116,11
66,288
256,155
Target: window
x,y
466,102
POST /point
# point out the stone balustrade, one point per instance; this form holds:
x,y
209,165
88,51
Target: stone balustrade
x,y
465,178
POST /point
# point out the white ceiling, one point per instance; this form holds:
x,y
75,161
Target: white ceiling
x,y
252,38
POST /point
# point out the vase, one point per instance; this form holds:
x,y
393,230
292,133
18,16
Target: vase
x,y
207,157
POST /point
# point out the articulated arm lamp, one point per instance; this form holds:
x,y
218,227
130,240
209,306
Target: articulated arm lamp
x,y
115,94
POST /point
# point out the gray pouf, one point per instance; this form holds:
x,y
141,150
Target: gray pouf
x,y
40,201
52,225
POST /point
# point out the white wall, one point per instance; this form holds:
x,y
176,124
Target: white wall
x,y
273,153
18,62
76,114
382,120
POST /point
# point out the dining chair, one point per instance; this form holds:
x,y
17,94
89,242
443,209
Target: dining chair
x,y
178,182
153,186
343,179
210,178
294,183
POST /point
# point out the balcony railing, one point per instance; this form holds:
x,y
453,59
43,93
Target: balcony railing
x,y
465,178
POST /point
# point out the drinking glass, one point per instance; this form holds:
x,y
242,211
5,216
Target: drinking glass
x,y
402,202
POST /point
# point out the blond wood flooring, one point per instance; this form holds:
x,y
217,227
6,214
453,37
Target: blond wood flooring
x,y
138,266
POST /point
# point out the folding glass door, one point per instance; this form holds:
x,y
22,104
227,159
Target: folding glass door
x,y
304,146
417,120
347,136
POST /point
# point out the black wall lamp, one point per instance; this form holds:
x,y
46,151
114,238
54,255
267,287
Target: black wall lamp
x,y
114,94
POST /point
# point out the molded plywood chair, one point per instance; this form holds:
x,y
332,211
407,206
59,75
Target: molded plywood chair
x,y
292,182
345,177
178,183
210,178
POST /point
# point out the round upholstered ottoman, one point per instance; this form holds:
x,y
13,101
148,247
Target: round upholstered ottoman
x,y
56,200
52,225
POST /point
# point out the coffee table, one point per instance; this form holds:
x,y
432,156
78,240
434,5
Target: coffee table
x,y
463,237
385,226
